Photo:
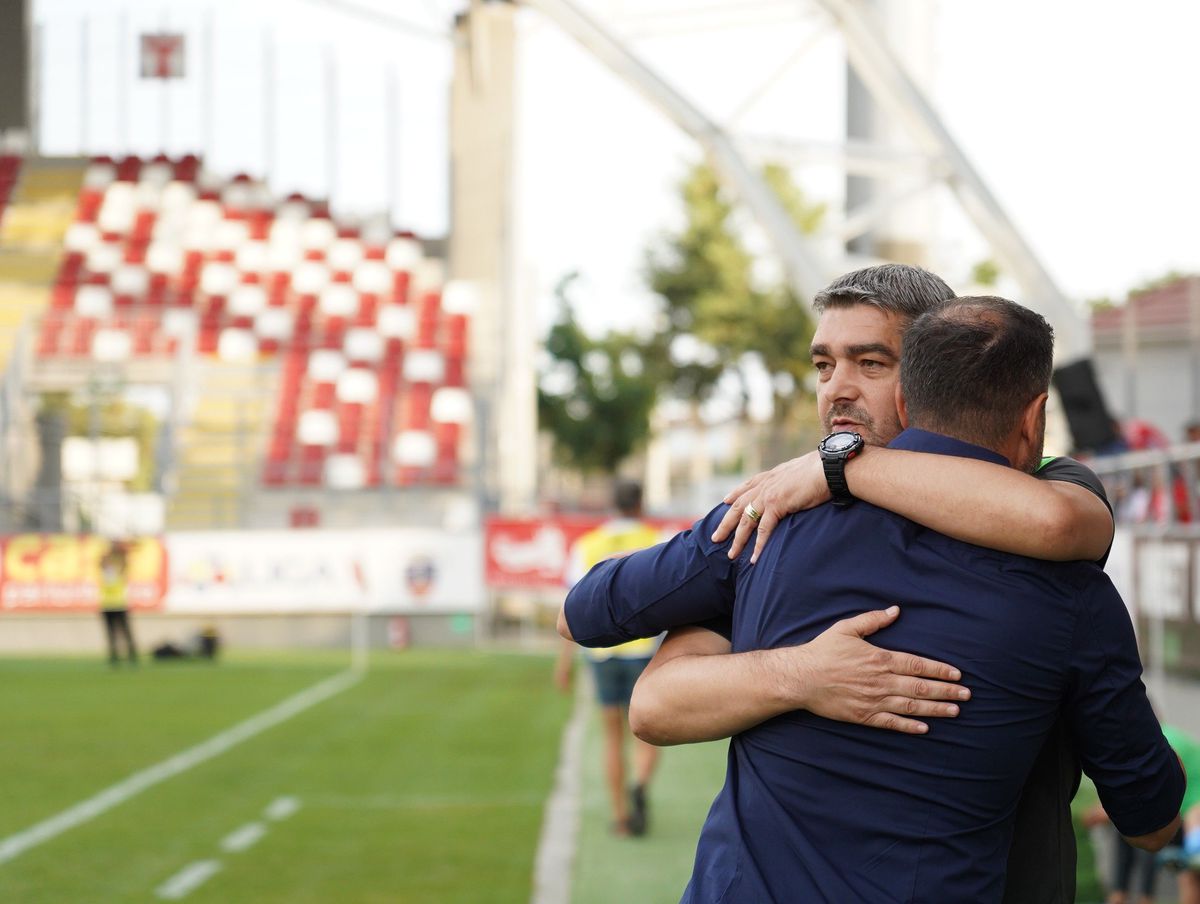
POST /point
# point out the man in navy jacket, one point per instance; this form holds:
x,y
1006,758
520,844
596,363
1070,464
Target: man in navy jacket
x,y
814,810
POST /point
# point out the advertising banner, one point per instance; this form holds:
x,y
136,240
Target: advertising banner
x,y
403,570
533,553
61,573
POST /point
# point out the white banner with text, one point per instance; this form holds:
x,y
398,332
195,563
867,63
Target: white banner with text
x,y
403,570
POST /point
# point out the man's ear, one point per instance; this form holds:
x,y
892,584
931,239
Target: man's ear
x,y
901,407
1033,423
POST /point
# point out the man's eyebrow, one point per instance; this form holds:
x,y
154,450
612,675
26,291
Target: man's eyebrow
x,y
854,351
871,348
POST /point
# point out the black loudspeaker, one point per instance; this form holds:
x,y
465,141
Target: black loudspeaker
x,y
1091,424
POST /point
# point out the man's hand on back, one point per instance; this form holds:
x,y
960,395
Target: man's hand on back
x,y
845,678
695,689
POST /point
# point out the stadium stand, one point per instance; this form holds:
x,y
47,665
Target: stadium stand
x,y
10,166
367,344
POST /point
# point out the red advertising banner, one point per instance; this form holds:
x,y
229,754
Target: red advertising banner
x,y
533,553
61,573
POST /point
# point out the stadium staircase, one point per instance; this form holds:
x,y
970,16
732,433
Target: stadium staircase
x,y
37,205
220,444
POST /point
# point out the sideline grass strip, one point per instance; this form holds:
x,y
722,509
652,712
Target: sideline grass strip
x,y
654,869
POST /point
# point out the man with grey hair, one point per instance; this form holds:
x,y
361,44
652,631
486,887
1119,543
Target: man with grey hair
x,y
819,810
691,694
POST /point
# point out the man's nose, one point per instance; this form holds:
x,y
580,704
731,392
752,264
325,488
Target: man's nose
x,y
841,385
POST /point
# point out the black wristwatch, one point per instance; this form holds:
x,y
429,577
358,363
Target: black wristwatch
x,y
836,449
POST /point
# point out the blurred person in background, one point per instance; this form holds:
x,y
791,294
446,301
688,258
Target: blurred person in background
x,y
114,601
1187,860
1182,855
615,670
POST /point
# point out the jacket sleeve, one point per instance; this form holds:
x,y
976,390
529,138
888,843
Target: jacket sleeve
x,y
1119,740
687,580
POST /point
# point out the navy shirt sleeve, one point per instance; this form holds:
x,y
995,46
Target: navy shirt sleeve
x,y
1117,734
688,580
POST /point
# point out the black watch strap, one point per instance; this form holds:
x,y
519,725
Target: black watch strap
x,y
835,476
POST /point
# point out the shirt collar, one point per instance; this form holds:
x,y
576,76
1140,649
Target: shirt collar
x,y
916,440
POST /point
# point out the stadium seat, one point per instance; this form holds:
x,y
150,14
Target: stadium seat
x,y
370,344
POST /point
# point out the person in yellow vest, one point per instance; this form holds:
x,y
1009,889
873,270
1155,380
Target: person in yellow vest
x,y
616,669
114,601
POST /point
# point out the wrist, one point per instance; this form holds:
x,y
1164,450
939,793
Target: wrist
x,y
792,678
816,470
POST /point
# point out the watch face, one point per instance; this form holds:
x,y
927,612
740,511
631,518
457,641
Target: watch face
x,y
840,442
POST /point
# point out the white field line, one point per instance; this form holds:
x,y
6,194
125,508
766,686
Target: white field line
x,y
187,879
240,839
15,845
281,808
560,827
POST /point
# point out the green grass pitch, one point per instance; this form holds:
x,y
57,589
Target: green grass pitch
x,y
426,782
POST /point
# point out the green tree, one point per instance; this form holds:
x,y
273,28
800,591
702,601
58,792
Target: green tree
x,y
595,395
706,278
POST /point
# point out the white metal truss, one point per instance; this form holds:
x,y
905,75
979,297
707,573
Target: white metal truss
x,y
937,161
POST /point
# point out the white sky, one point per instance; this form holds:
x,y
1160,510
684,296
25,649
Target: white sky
x,y
1076,113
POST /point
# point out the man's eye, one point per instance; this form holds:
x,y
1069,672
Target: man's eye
x,y
870,364
822,367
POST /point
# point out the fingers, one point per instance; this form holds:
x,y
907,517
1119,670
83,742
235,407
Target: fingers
x,y
741,537
920,667
868,623
765,526
732,517
904,714
893,722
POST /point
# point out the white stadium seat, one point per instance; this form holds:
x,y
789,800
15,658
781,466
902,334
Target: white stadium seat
x,y
179,323
451,405
81,237
164,257
373,277
338,300
403,254
217,278
237,346
94,301
363,344
247,300
325,365
344,254
414,449
254,257
317,234
275,324
99,176
130,279
310,277
345,472
396,321
357,385
110,346
317,428
423,365
104,257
